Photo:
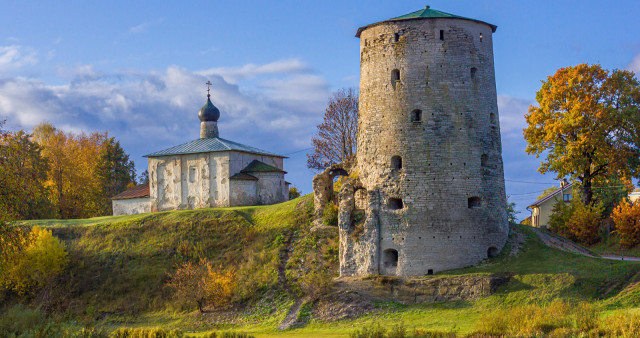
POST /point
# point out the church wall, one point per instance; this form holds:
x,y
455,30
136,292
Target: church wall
x,y
190,181
270,188
242,193
131,206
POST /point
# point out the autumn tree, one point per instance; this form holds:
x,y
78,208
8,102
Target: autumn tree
x,y
626,217
115,171
23,171
203,284
336,138
41,258
85,170
587,123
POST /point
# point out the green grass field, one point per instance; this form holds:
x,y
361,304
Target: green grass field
x,y
119,266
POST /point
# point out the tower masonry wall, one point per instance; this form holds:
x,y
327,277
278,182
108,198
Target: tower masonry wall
x,y
429,150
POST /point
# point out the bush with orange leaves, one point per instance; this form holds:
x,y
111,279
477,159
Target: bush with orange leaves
x,y
585,223
203,284
626,216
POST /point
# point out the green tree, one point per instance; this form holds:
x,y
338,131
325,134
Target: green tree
x,y
511,211
115,171
587,122
547,192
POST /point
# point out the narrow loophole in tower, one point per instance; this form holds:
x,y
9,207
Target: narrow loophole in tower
x,y
492,252
396,37
395,204
390,258
416,115
396,162
480,37
441,34
474,202
492,118
484,160
395,77
474,70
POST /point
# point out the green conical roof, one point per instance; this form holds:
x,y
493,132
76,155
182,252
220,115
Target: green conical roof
x,y
425,13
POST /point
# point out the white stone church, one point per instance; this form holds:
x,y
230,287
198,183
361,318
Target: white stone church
x,y
207,172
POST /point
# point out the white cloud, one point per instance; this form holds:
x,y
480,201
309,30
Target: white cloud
x,y
143,27
235,74
13,57
512,110
634,66
154,110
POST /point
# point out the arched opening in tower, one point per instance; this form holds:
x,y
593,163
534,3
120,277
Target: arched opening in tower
x,y
390,261
492,252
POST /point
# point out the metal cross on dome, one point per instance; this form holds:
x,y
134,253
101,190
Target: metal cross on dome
x,y
208,89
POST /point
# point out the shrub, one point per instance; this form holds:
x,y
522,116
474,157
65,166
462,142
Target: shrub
x,y
626,217
559,219
330,215
142,332
294,193
42,258
203,284
19,319
584,223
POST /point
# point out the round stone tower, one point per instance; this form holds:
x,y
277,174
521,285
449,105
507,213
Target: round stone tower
x,y
429,153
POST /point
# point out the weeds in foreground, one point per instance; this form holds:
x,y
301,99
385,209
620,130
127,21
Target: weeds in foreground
x,y
398,331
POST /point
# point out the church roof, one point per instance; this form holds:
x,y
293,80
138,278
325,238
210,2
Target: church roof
x,y
141,190
207,145
425,13
260,167
243,177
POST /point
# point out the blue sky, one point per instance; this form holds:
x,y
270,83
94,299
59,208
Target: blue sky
x,y
137,69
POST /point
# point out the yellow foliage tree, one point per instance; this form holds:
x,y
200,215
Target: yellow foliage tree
x,y
587,122
41,259
203,284
626,217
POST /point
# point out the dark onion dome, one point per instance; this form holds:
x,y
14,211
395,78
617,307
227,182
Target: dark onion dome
x,y
209,112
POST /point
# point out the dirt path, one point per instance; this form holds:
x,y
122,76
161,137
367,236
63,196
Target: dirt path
x,y
564,244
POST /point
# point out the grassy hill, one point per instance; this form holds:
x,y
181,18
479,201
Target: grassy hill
x,y
119,266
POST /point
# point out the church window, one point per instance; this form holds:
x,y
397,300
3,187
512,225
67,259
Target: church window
x,y
474,202
395,204
396,162
416,115
192,174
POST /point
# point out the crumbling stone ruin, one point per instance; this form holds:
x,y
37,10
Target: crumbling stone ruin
x,y
428,175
